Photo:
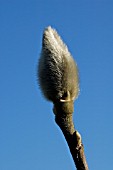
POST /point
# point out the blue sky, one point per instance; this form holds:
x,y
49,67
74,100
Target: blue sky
x,y
29,137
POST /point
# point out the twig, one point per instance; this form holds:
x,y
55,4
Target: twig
x,y
64,119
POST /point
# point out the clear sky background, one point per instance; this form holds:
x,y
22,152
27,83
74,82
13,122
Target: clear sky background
x,y
29,137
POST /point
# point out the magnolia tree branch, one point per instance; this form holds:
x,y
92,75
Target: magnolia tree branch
x,y
64,119
58,80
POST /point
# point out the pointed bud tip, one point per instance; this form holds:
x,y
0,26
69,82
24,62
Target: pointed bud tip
x,y
48,29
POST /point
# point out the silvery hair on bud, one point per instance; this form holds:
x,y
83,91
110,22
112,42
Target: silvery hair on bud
x,y
57,70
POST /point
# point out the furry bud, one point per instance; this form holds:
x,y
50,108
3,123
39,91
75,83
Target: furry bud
x,y
57,70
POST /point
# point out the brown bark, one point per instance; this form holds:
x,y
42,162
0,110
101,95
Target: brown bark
x,y
64,119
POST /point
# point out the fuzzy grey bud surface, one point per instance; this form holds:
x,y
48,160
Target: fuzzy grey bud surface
x,y
57,70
